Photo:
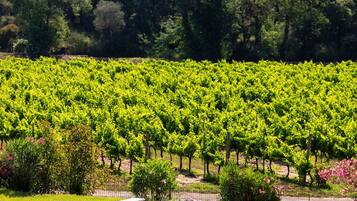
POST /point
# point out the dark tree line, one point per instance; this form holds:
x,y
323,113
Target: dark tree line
x,y
291,30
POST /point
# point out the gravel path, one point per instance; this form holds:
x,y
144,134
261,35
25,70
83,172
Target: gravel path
x,y
186,196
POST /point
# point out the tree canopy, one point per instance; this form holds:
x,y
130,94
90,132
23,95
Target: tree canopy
x,y
321,30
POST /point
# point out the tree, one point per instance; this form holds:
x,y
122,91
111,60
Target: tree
x,y
169,41
202,25
307,28
105,138
135,150
190,147
80,6
109,17
239,142
42,23
210,146
175,144
118,149
244,27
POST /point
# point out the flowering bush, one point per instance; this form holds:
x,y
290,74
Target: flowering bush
x,y
50,163
343,172
21,164
34,165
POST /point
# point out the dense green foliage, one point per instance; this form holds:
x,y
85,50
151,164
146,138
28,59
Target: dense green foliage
x,y
266,110
203,29
22,157
154,180
34,165
82,161
246,185
51,163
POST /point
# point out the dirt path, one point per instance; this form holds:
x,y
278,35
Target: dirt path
x,y
186,196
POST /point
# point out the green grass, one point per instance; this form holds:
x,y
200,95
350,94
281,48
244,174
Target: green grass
x,y
8,195
293,188
199,188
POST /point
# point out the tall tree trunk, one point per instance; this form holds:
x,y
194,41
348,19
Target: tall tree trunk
x,y
171,157
228,147
257,33
161,153
147,146
263,165
180,162
148,152
235,47
316,157
257,163
204,168
131,167
208,168
245,161
155,153
119,165
102,158
189,36
284,44
111,164
189,164
219,169
288,174
270,168
308,153
237,156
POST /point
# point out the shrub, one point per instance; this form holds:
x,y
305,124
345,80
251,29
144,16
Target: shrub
x,y
79,43
154,180
33,165
20,45
344,171
135,150
245,185
40,165
8,33
53,164
23,161
81,155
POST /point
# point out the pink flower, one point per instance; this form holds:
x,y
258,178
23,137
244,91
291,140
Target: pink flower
x,y
344,171
31,140
10,157
42,141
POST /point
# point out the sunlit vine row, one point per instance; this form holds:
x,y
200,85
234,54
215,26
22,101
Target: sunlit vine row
x,y
267,110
